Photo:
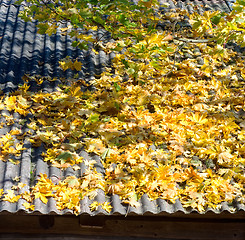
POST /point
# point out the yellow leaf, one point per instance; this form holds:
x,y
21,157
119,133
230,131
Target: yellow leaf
x,y
199,118
11,197
106,206
77,65
147,4
15,132
10,103
21,185
28,206
95,145
41,196
94,206
224,157
16,179
1,192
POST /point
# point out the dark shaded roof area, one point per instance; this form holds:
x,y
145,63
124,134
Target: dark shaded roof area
x,y
23,51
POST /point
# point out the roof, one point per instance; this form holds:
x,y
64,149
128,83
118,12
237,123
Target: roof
x,y
24,51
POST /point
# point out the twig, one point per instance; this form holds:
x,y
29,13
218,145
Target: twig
x,y
194,40
174,26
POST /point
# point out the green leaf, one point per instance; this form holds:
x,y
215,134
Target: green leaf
x,y
75,19
240,20
85,13
63,157
42,28
241,2
98,20
130,71
94,118
117,87
72,10
117,105
216,19
197,24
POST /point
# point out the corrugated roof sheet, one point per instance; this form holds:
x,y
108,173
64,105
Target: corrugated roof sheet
x,y
22,51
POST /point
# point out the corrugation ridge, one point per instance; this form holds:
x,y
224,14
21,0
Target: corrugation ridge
x,y
117,206
5,42
68,52
85,203
59,54
217,5
101,198
3,22
41,167
164,206
24,173
147,205
37,52
26,55
127,210
2,170
89,65
47,68
229,3
15,52
11,171
9,2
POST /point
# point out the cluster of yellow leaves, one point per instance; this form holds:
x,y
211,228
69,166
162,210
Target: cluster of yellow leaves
x,y
9,147
171,129
67,63
17,104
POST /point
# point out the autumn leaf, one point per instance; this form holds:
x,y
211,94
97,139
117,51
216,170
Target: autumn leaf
x,y
41,196
29,206
11,197
1,192
72,181
225,157
77,65
94,206
106,206
64,157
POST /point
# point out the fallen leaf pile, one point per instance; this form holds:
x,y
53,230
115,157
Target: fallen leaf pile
x,y
163,124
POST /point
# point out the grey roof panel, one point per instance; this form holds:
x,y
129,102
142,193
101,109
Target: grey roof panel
x,y
22,50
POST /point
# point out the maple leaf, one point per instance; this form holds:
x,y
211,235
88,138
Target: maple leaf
x,y
41,196
29,206
106,206
10,103
11,197
132,200
72,181
64,157
95,145
77,65
225,157
94,206
27,196
198,118
1,192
